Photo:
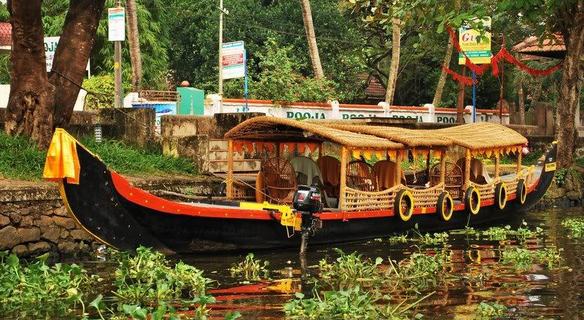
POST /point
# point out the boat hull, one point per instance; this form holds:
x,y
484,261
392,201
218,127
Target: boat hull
x,y
125,217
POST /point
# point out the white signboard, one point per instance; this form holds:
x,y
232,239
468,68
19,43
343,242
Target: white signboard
x,y
233,60
50,49
116,22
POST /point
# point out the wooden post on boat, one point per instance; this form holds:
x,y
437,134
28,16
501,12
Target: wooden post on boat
x,y
467,168
229,180
343,180
398,160
519,160
497,164
442,167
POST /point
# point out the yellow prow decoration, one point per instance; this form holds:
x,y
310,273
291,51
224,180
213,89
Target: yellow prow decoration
x,y
62,161
289,217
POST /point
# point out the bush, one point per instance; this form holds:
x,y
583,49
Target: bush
x,y
100,92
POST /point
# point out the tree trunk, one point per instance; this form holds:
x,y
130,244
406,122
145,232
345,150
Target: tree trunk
x,y
442,80
29,110
568,100
460,100
395,55
134,43
311,38
446,63
72,55
521,103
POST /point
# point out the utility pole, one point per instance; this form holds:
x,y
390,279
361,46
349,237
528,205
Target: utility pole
x,y
118,69
221,12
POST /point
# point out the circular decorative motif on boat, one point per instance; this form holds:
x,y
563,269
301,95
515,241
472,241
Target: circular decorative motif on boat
x,y
472,200
521,193
404,205
501,195
445,206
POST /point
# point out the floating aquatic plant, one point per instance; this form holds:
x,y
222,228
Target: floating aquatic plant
x,y
488,311
35,290
146,281
350,270
250,269
524,259
575,226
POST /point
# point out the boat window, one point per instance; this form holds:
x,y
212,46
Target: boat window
x,y
478,172
330,169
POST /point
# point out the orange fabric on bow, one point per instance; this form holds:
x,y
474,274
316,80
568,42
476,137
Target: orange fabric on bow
x,y
62,161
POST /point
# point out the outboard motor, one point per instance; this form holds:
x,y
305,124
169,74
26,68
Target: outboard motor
x,y
308,201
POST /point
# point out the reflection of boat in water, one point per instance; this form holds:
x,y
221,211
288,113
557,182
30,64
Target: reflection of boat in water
x,y
373,181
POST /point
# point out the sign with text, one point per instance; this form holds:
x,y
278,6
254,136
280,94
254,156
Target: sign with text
x,y
116,23
233,60
476,45
50,49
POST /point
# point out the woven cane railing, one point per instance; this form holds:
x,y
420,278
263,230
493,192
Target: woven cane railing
x,y
357,200
426,198
487,191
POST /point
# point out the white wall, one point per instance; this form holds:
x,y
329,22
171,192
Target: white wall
x,y
5,93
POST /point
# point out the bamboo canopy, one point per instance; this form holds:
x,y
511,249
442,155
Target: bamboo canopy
x,y
409,137
482,135
272,128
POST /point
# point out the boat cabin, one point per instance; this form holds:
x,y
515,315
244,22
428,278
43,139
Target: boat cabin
x,y
378,168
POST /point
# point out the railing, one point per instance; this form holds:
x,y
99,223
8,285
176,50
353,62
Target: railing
x,y
155,95
426,198
357,200
487,191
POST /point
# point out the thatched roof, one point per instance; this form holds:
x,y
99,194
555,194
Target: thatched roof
x,y
272,128
409,137
482,135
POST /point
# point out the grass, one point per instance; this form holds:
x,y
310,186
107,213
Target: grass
x,y
20,159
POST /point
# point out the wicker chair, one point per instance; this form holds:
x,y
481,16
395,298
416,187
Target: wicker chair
x,y
453,178
279,180
360,176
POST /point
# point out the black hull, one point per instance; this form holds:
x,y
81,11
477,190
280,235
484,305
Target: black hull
x,y
104,212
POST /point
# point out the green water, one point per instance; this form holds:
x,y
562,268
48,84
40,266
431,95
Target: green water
x,y
535,293
532,294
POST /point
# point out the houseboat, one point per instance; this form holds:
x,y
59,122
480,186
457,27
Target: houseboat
x,y
337,181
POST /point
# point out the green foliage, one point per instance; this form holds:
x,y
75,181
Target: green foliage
x,y
4,68
130,160
349,270
20,158
560,176
147,279
523,259
100,92
575,226
36,290
250,269
279,79
488,311
353,303
579,161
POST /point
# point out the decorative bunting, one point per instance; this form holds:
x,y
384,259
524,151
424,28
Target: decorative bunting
x,y
356,154
367,155
464,80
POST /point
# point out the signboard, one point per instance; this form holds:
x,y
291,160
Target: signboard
x,y
476,47
116,23
50,49
233,60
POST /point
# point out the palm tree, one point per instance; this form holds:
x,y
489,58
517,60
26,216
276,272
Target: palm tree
x,y
311,38
446,62
134,43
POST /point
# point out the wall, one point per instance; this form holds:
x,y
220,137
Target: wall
x,y
33,219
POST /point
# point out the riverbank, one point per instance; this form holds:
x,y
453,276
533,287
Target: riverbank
x,y
34,219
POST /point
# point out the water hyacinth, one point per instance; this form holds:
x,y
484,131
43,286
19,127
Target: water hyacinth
x,y
575,226
250,269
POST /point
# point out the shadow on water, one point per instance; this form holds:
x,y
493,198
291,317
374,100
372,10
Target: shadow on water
x,y
536,292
